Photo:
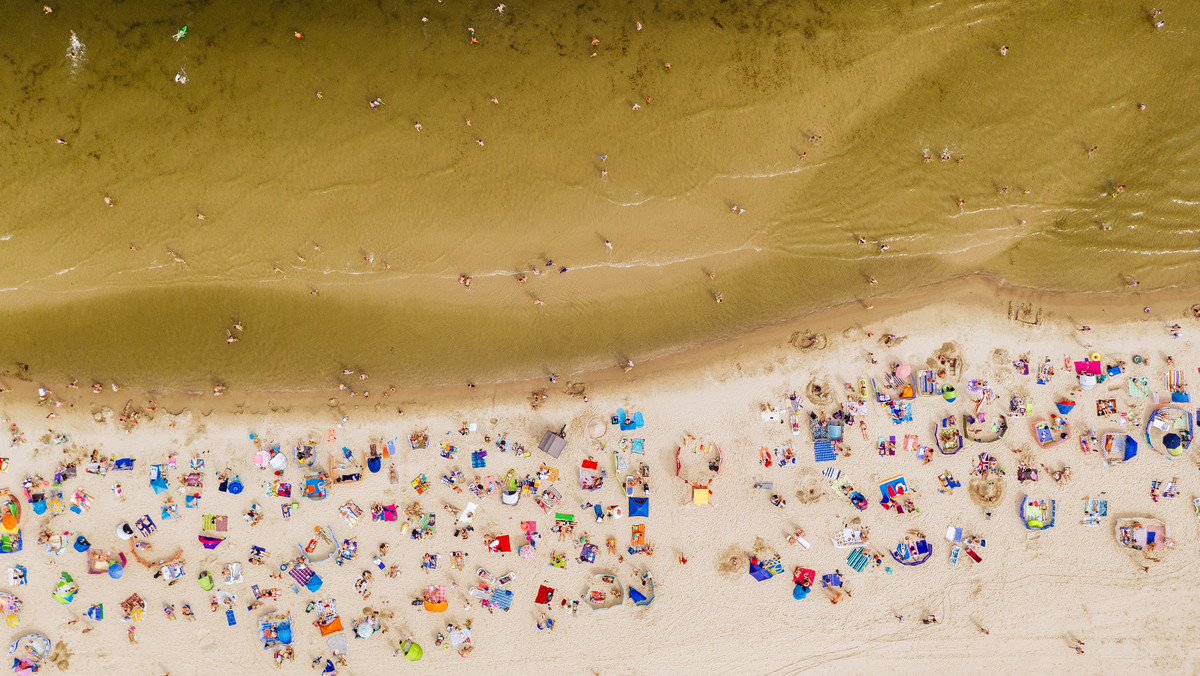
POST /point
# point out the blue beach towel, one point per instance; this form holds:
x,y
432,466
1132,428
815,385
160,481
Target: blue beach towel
x,y
824,450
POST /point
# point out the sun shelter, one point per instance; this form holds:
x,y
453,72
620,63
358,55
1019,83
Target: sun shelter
x,y
768,566
554,443
301,573
328,620
1118,448
28,652
545,595
412,651
434,598
639,507
644,596
158,478
758,572
628,422
321,534
913,550
892,488
605,591
10,523
1037,514
1170,430
316,486
275,630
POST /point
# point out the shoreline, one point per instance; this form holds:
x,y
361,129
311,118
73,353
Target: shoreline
x,y
761,344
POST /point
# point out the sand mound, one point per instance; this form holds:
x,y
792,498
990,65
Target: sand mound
x,y
986,492
596,428
730,561
804,340
819,391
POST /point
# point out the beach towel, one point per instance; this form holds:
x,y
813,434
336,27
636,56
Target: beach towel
x,y
502,599
858,559
479,459
823,450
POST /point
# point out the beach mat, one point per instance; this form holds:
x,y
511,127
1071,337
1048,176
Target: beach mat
x,y
858,560
823,449
1139,386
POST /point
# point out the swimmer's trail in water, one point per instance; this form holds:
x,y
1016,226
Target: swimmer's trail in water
x,y
739,151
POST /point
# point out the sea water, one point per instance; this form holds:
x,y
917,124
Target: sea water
x,y
1052,145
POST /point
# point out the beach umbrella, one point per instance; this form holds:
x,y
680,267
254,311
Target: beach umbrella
x,y
1171,440
639,507
903,371
115,570
527,552
1065,406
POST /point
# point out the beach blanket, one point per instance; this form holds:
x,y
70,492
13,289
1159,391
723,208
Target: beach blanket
x,y
502,599
858,560
1139,386
823,449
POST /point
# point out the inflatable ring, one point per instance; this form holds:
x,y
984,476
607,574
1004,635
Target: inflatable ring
x,y
137,614
1137,359
1095,356
13,620
624,443
54,505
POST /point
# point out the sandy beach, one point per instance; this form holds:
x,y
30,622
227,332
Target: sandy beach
x,y
230,232
1034,591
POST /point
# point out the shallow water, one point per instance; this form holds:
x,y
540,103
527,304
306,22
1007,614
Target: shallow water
x,y
399,213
